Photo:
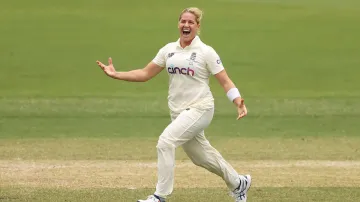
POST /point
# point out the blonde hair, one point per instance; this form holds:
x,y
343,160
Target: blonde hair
x,y
195,11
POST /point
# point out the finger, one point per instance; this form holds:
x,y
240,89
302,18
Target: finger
x,y
110,61
241,115
100,64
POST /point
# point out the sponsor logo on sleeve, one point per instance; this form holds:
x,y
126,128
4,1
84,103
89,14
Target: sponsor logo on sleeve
x,y
170,55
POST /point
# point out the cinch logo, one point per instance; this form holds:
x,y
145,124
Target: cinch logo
x,y
177,70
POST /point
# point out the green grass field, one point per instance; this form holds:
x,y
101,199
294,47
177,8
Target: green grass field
x,y
69,133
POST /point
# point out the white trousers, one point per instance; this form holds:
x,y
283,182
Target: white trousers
x,y
187,130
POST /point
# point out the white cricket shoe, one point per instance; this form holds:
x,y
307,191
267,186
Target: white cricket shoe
x,y
150,198
240,193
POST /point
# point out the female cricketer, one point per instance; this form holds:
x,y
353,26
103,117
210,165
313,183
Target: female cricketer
x,y
189,63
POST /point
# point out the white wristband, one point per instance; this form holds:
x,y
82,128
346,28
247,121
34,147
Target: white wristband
x,y
233,93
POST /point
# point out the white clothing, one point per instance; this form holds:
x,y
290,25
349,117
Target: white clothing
x,y
191,105
189,70
187,130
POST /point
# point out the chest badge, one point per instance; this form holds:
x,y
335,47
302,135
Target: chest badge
x,y
192,58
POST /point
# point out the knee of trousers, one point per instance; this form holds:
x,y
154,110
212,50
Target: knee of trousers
x,y
164,144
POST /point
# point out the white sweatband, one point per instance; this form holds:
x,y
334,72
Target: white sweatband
x,y
233,93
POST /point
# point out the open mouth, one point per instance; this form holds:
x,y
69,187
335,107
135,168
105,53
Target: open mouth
x,y
186,32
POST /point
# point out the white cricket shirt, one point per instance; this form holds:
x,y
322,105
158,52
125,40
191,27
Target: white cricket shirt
x,y
189,70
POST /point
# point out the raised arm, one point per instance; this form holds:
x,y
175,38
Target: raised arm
x,y
137,75
232,92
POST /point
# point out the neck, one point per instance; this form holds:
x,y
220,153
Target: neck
x,y
183,43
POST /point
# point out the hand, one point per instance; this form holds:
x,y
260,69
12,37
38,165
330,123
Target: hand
x,y
242,111
108,69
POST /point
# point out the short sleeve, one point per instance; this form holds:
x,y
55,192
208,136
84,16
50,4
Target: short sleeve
x,y
160,58
213,61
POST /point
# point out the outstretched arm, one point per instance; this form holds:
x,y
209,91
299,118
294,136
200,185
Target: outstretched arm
x,y
232,92
137,75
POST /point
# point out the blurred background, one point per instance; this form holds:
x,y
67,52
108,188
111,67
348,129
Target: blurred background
x,y
296,62
292,60
49,47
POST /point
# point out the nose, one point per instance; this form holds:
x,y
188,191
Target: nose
x,y
186,24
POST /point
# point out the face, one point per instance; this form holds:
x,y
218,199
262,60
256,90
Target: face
x,y
188,27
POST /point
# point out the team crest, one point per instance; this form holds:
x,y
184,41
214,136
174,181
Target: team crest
x,y
193,56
